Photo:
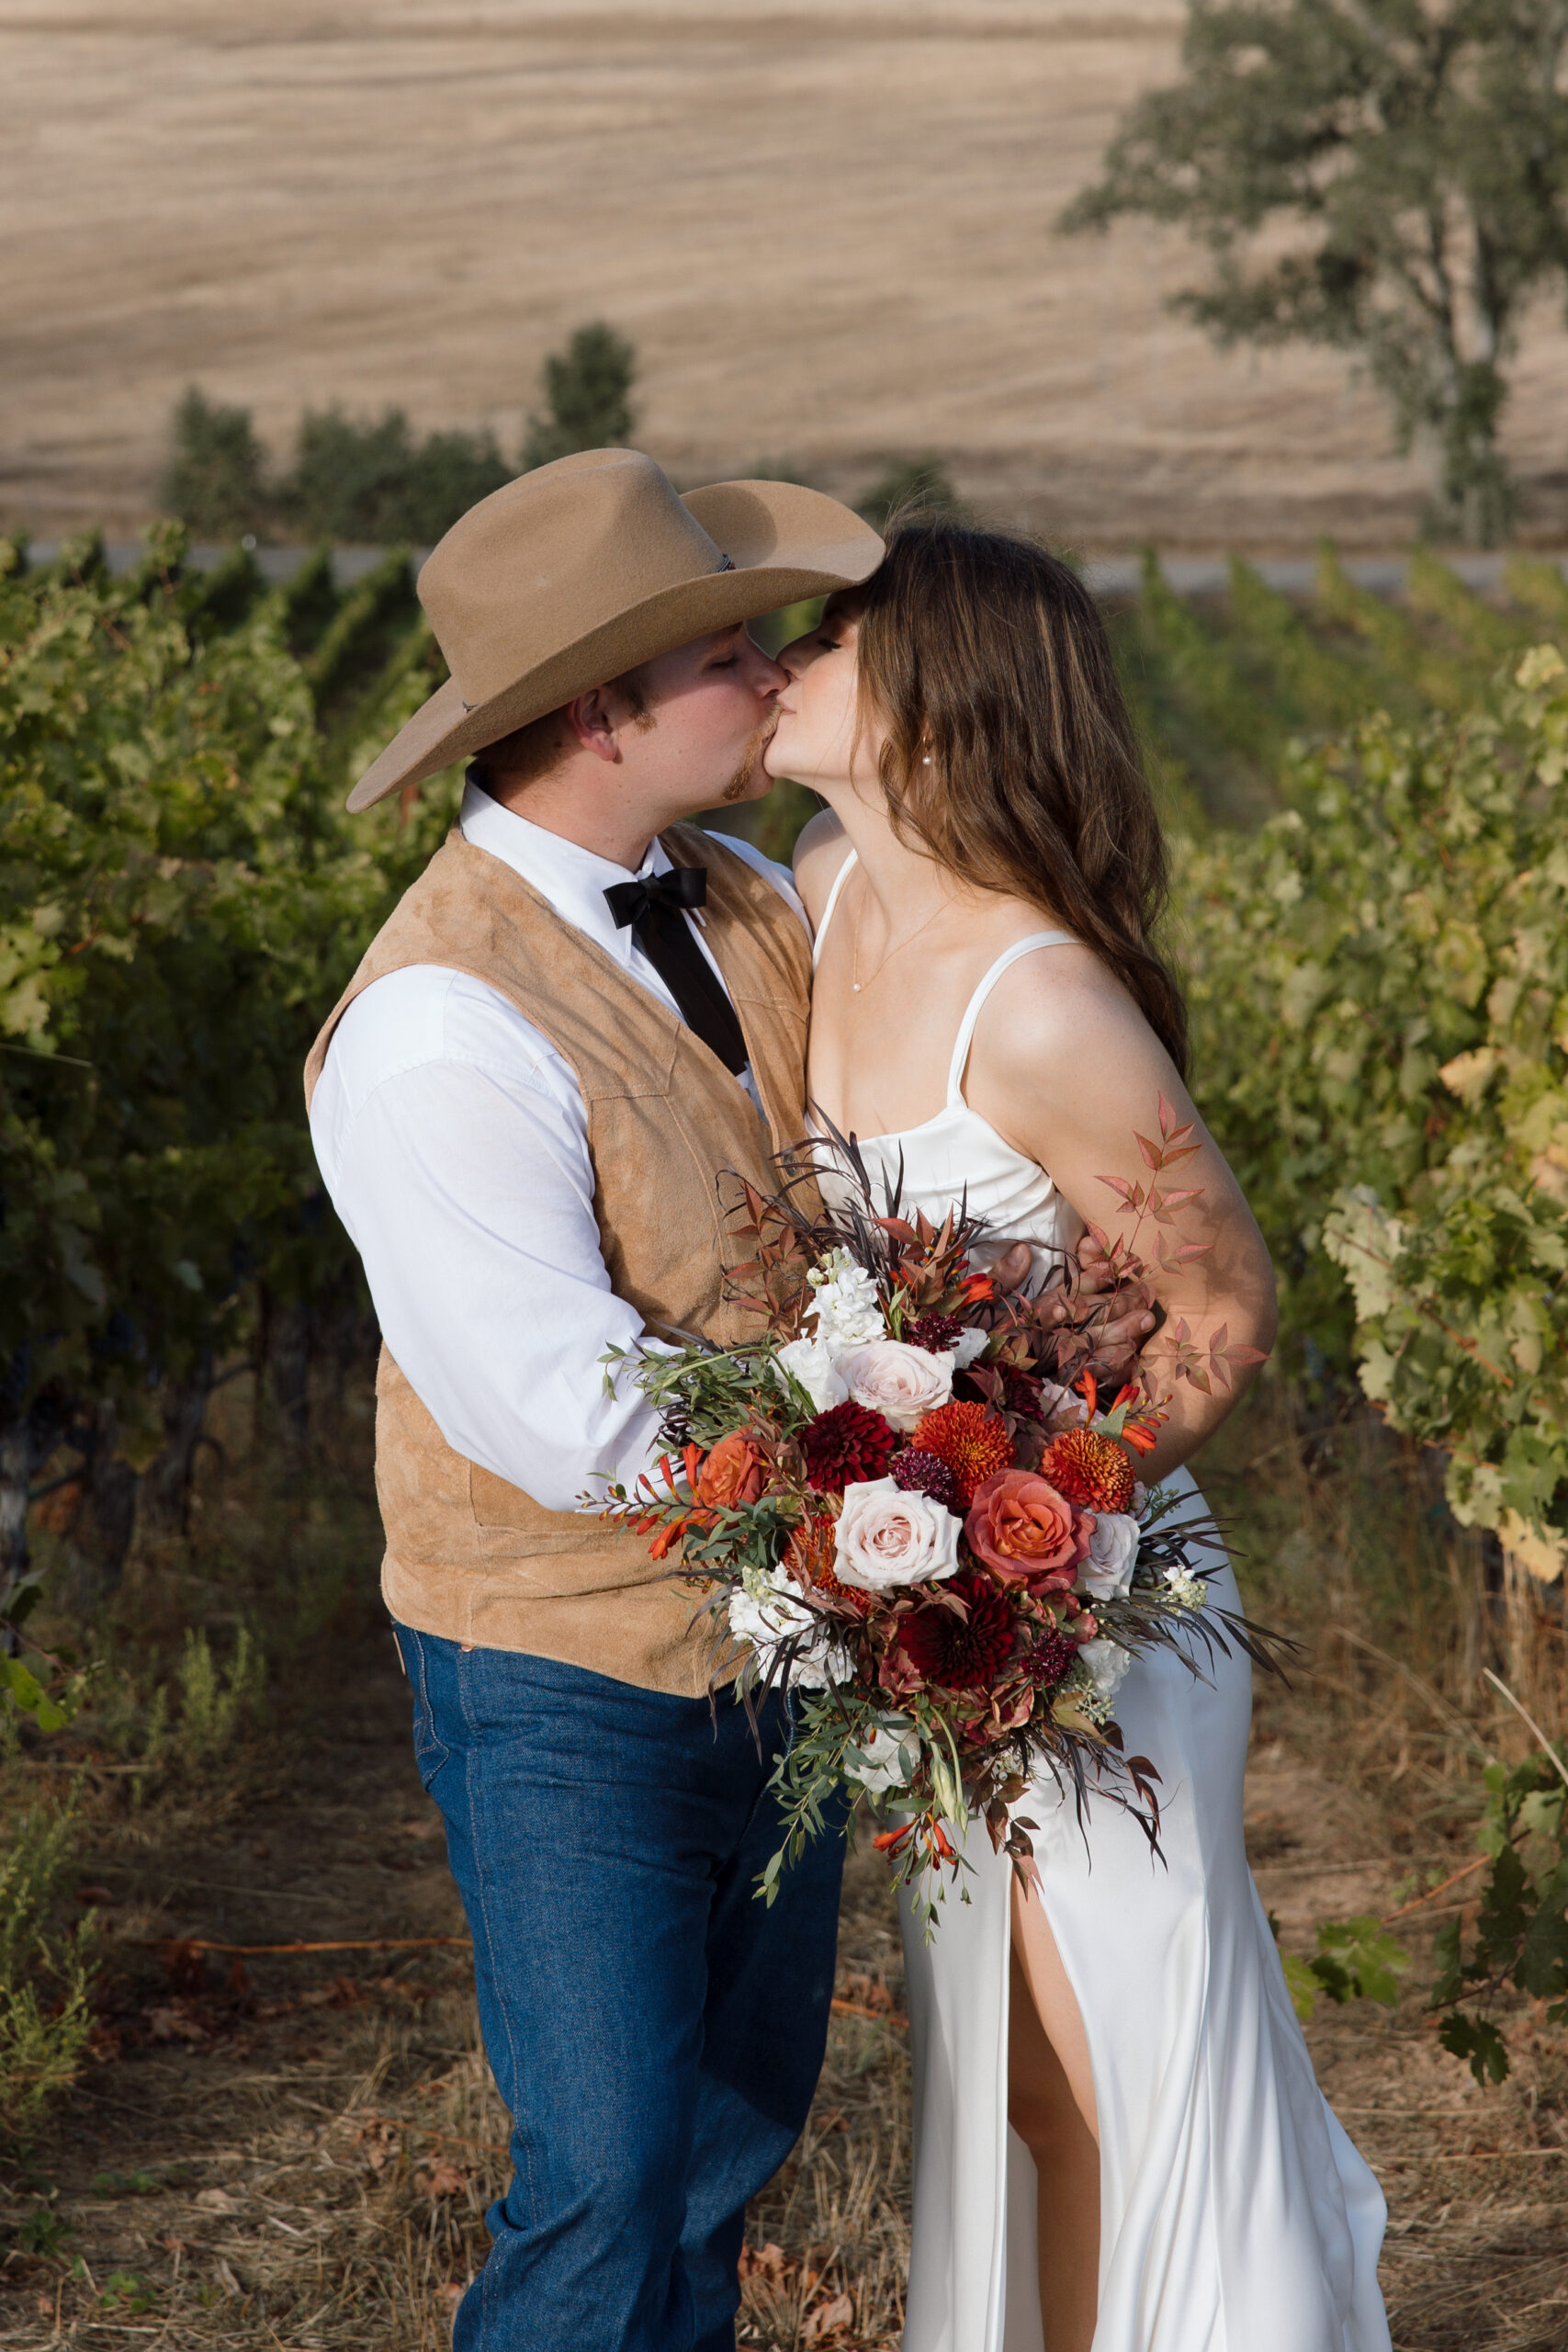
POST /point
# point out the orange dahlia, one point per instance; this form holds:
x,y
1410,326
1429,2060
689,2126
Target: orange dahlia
x,y
971,1440
1092,1469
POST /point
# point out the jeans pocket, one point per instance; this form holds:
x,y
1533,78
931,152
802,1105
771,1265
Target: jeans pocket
x,y
430,1750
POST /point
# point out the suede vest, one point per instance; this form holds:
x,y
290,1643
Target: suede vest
x,y
468,1556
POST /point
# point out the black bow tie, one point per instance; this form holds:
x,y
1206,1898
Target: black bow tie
x,y
654,906
684,885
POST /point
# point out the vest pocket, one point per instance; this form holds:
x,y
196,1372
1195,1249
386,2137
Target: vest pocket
x,y
553,1554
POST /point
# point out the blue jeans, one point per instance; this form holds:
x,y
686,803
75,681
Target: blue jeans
x,y
656,2030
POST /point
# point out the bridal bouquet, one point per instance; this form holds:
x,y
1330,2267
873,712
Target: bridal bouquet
x,y
907,1501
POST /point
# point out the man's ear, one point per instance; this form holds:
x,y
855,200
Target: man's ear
x,y
593,724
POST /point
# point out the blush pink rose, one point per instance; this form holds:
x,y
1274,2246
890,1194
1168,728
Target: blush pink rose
x,y
887,1536
901,1383
1026,1532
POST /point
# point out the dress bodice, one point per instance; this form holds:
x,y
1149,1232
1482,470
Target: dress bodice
x,y
959,1156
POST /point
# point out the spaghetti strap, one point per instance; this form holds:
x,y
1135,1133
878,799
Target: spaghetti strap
x,y
966,1026
828,911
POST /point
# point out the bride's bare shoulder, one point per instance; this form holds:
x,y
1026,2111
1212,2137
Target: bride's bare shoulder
x,y
818,854
1059,1022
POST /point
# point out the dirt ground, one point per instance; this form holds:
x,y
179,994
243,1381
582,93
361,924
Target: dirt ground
x,y
826,223
295,2153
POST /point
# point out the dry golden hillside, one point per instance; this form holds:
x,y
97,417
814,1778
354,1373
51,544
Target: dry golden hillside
x,y
828,226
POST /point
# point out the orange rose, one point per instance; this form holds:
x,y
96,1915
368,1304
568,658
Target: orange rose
x,y
1025,1531
732,1474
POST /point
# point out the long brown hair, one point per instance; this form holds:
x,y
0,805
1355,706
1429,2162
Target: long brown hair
x,y
983,654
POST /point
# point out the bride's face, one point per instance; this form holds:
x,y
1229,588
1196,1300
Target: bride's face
x,y
822,738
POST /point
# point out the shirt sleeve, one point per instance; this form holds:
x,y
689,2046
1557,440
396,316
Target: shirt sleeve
x,y
454,1142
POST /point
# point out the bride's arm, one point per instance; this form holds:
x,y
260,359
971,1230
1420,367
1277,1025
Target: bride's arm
x,y
1067,1069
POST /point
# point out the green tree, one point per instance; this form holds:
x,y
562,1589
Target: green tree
x,y
214,477
1415,152
588,390
371,481
909,486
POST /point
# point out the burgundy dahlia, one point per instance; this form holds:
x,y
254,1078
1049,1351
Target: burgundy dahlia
x,y
935,1332
925,1473
961,1653
844,1445
1021,1391
1051,1660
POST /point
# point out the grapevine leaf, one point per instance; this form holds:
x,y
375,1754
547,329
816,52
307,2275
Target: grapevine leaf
x,y
1477,2039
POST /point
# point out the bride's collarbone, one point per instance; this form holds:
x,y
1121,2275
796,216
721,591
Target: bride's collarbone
x,y
883,1059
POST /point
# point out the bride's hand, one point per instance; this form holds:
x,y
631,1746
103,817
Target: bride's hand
x,y
1129,1324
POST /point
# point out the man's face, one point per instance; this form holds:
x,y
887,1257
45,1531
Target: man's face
x,y
710,714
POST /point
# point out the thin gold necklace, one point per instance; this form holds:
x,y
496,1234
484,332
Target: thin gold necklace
x,y
856,983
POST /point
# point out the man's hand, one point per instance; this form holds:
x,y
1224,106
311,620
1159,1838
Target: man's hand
x,y
1130,1321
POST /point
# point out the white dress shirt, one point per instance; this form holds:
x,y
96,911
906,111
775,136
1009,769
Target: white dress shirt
x,y
453,1139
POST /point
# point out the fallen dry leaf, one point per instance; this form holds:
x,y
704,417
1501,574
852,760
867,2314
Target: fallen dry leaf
x,y
173,2021
828,2319
440,2179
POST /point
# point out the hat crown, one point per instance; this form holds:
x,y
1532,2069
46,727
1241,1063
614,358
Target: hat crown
x,y
553,556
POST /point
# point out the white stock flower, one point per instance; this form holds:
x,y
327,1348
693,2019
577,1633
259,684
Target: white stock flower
x,y
768,1615
847,1309
969,1347
882,1763
1106,1663
1187,1592
885,1537
811,1363
1107,1574
902,1383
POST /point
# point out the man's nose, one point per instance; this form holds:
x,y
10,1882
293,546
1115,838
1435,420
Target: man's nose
x,y
772,677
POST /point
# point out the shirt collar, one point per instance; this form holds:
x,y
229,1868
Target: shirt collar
x,y
570,878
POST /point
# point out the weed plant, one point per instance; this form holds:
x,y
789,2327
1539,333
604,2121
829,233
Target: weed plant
x,y
45,1969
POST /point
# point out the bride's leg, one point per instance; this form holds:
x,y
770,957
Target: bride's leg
x,y
1051,2106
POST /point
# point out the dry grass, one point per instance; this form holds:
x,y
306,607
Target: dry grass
x,y
826,223
302,2160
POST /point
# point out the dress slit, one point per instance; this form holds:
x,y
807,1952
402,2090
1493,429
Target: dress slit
x,y
1234,2214
1233,2211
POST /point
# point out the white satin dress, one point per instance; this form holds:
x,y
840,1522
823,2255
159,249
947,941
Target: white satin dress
x,y
1235,2216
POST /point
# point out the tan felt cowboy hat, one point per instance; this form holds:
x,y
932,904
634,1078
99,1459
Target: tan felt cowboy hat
x,y
585,568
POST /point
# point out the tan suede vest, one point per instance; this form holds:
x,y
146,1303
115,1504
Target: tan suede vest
x,y
468,1556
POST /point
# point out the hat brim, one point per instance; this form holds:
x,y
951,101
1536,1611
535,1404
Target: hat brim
x,y
785,543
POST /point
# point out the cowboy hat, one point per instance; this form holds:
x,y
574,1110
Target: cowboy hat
x,y
576,572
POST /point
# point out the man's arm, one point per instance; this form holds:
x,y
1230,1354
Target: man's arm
x,y
454,1143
